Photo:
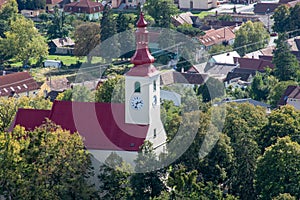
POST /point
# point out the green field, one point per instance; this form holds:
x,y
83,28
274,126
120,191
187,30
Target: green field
x,y
202,14
67,60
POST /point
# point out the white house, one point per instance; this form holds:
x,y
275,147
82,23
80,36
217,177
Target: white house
x,y
197,4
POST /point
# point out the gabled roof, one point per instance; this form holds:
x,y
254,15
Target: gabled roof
x,y
63,42
225,58
254,64
242,74
19,82
83,6
171,77
217,36
262,8
59,84
199,68
183,18
102,125
53,2
292,3
290,92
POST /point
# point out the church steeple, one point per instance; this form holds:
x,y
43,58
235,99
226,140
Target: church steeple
x,y
142,59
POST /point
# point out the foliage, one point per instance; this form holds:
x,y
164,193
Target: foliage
x,y
278,169
8,11
47,163
162,11
114,178
24,41
87,37
225,17
59,25
31,4
212,89
250,37
9,107
282,122
111,90
147,183
108,24
281,19
286,64
219,48
284,196
77,93
189,30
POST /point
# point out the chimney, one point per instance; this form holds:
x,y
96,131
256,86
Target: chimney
x,y
182,70
4,73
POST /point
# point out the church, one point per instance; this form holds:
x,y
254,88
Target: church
x,y
113,127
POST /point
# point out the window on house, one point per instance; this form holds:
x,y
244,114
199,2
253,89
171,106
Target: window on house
x,y
154,86
154,133
137,87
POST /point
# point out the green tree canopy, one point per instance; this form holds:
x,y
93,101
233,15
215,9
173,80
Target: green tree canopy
x,y
112,90
278,169
77,93
281,19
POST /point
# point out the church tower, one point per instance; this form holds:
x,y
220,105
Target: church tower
x,y
142,83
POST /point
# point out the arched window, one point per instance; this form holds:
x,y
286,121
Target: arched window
x,y
154,86
137,87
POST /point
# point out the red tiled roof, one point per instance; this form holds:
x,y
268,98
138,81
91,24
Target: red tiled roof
x,y
30,118
290,92
53,2
19,82
254,64
84,6
217,36
102,125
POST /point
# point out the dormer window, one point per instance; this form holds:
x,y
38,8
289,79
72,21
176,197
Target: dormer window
x,y
137,87
154,86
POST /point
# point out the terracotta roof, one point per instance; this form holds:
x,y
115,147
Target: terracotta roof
x,y
19,82
60,84
292,3
29,118
264,57
171,77
290,92
262,8
2,2
84,6
53,2
102,125
217,36
63,42
254,64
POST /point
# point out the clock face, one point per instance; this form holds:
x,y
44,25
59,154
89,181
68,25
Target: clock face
x,y
154,100
136,103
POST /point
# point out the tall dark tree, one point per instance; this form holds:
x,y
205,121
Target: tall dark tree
x,y
286,64
281,19
7,12
58,28
108,24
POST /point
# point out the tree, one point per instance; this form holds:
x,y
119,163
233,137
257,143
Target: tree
x,y
87,37
114,178
286,64
58,27
284,196
162,11
108,24
282,122
47,163
77,93
111,90
293,20
31,4
189,30
147,183
219,48
212,89
24,41
281,19
250,37
278,169
8,11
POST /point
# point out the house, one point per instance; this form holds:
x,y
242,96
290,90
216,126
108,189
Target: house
x,y
31,13
18,84
247,100
239,78
219,71
224,58
265,53
52,87
257,65
116,3
199,68
217,36
189,79
50,4
291,96
183,18
90,9
265,8
197,4
114,127
134,3
61,46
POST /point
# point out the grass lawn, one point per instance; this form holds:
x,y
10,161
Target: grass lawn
x,y
67,60
202,14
